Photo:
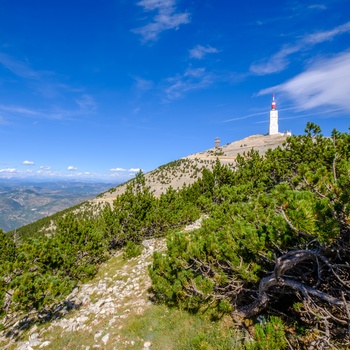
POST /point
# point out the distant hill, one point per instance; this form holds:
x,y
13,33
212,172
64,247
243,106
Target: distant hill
x,y
24,201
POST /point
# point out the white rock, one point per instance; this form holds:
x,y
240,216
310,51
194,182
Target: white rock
x,y
34,328
45,343
146,345
105,339
97,335
34,336
34,342
82,319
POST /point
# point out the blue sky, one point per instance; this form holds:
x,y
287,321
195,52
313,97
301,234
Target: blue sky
x,y
100,89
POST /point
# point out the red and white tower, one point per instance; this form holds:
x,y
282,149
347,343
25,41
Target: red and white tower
x,y
273,127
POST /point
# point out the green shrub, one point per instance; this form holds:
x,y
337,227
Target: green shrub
x,y
268,336
132,250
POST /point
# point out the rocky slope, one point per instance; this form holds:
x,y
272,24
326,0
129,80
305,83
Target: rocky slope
x,y
94,314
187,170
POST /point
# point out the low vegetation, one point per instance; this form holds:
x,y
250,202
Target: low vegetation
x,y
272,254
276,241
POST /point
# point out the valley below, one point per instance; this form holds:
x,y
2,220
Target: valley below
x,y
23,201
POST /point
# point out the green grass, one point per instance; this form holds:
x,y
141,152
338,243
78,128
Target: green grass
x,y
175,329
163,328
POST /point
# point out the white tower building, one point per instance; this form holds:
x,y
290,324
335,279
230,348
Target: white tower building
x,y
273,127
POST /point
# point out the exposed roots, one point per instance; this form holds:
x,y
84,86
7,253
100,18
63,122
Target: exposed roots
x,y
321,285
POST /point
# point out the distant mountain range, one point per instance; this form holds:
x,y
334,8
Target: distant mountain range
x,y
25,201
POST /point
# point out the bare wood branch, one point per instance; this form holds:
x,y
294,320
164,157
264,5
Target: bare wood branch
x,y
277,279
347,312
306,235
334,170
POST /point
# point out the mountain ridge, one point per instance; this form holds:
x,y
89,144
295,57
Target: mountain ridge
x,y
186,170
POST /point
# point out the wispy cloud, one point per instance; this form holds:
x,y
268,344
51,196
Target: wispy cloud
x,y
19,110
3,121
142,84
86,102
281,59
192,79
317,7
251,115
166,17
55,112
325,83
21,69
200,51
329,112
72,168
48,85
40,81
244,117
322,36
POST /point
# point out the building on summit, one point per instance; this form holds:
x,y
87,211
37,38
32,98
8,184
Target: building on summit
x,y
273,127
273,124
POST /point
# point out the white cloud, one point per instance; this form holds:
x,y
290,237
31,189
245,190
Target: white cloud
x,y
117,169
42,173
325,83
45,167
72,168
135,170
279,61
191,80
166,18
8,170
28,162
200,51
318,7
